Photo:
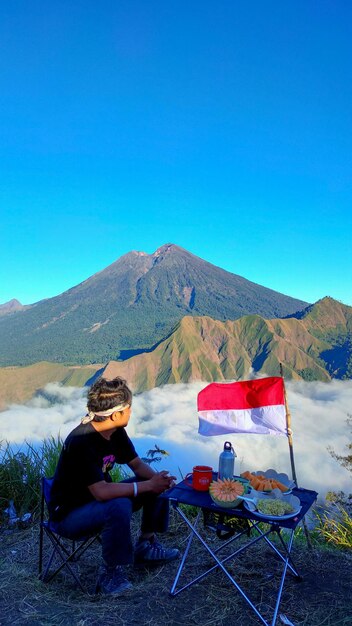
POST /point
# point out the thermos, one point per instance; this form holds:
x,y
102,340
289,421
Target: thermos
x,y
227,461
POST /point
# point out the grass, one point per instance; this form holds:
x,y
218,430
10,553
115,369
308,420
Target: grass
x,y
21,471
337,531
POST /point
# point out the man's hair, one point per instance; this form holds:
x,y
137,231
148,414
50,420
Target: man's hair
x,y
105,394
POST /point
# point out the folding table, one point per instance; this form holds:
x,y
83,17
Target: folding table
x,y
184,494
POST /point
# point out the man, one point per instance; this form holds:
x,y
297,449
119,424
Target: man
x,y
84,500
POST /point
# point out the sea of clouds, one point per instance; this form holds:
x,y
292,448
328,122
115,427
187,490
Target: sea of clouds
x,y
167,416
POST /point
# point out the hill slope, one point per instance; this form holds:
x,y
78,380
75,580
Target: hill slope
x,y
130,306
19,384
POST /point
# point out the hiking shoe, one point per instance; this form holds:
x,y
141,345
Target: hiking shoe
x,y
153,553
113,582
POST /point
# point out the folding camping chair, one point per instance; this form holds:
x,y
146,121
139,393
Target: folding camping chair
x,y
66,550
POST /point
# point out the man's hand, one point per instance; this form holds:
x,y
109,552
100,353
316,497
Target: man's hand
x,y
161,482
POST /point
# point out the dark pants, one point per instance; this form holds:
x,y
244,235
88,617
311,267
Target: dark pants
x,y
112,519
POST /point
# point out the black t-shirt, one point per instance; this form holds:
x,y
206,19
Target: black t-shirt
x,y
86,458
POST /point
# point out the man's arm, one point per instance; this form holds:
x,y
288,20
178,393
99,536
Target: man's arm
x,y
155,482
107,491
143,470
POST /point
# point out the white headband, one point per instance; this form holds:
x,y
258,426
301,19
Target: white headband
x,y
91,414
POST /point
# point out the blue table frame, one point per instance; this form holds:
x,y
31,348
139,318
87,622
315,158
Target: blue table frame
x,y
183,494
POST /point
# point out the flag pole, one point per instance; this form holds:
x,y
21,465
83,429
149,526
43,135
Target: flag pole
x,y
289,430
292,458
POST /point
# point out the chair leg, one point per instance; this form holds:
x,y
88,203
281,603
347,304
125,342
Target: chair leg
x,y
59,548
67,556
44,576
41,532
41,538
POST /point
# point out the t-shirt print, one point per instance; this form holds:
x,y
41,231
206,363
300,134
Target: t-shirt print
x,y
108,463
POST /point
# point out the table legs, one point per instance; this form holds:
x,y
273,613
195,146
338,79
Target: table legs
x,y
219,563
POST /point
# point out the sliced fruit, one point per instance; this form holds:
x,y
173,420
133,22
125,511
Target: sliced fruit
x,y
267,486
259,482
226,490
280,486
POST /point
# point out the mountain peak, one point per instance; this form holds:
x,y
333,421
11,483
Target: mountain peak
x,y
11,303
10,307
330,301
167,248
137,253
325,305
326,313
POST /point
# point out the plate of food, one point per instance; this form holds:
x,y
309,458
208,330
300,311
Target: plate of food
x,y
279,508
268,480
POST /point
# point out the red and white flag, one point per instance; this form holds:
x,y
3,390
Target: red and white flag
x,y
250,406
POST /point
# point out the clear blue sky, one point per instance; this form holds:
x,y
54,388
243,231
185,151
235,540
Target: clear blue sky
x,y
224,127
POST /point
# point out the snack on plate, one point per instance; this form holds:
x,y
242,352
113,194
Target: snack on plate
x,y
276,508
225,492
262,483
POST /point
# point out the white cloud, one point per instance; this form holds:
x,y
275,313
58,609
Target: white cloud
x,y
168,416
58,410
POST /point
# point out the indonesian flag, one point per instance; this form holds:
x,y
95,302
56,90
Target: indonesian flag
x,y
250,406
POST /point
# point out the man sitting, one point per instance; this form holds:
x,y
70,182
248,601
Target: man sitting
x,y
86,501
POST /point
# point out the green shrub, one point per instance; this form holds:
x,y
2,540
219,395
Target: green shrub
x,y
50,452
337,531
118,473
21,471
19,479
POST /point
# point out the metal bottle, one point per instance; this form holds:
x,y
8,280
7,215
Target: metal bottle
x,y
227,461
